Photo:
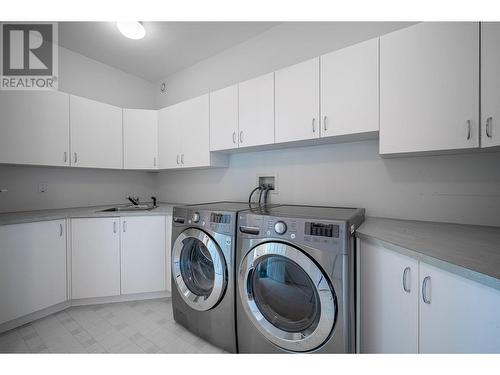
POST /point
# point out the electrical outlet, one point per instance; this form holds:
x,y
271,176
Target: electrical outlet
x,y
42,187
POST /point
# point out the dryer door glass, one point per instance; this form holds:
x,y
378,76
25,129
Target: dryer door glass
x,y
285,294
199,269
287,297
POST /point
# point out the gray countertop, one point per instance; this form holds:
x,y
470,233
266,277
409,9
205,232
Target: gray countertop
x,y
76,212
469,250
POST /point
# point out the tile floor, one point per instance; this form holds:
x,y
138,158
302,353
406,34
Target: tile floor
x,y
126,327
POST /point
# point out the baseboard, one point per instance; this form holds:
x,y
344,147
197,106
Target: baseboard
x,y
18,322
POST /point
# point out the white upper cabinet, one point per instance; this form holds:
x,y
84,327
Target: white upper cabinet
x,y
34,127
388,301
224,119
96,134
143,254
32,267
349,90
429,88
490,84
256,111
140,139
457,315
297,102
196,132
170,136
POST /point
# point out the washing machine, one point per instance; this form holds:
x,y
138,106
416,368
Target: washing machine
x,y
203,268
295,280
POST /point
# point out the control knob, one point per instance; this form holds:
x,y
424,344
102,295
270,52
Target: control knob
x,y
195,217
280,227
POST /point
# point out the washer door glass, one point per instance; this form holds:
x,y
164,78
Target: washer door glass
x,y
199,269
287,296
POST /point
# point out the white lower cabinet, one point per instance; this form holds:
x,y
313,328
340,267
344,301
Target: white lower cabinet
x,y
425,309
32,267
142,254
95,257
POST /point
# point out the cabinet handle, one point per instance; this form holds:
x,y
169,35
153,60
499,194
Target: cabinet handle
x,y
314,125
182,159
234,137
114,226
425,297
75,157
468,129
65,156
61,230
124,226
488,126
241,136
177,159
325,127
154,161
406,272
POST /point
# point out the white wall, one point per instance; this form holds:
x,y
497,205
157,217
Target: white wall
x,y
280,46
454,188
67,187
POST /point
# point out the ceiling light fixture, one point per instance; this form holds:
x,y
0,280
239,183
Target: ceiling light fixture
x,y
132,30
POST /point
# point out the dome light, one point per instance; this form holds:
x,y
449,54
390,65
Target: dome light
x,y
132,30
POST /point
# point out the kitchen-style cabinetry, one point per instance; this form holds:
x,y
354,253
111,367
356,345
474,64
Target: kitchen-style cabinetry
x,y
95,257
142,254
349,90
389,301
429,88
224,119
32,267
34,128
297,102
457,315
410,306
490,84
256,111
140,139
96,134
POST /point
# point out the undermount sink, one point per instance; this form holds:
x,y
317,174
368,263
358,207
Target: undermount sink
x,y
140,207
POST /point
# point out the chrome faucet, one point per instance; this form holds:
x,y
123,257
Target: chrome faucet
x,y
134,200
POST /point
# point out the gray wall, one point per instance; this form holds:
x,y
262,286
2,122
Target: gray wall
x,y
68,187
456,188
461,188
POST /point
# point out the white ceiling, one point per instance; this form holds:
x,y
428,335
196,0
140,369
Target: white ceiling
x,y
166,48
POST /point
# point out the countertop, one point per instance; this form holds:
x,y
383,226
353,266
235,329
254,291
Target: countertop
x,y
471,251
6,218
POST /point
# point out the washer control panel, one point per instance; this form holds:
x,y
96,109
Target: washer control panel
x,y
216,221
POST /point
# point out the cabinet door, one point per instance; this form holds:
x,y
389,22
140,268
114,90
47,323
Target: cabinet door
x,y
349,90
429,88
32,267
297,102
388,301
96,134
142,254
168,256
256,111
457,315
140,139
169,136
224,119
195,132
95,257
34,127
490,84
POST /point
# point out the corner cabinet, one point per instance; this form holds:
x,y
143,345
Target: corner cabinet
x,y
429,88
32,267
184,136
409,306
34,128
96,134
140,139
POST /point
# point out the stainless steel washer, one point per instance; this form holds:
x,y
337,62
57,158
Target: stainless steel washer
x,y
295,280
203,268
